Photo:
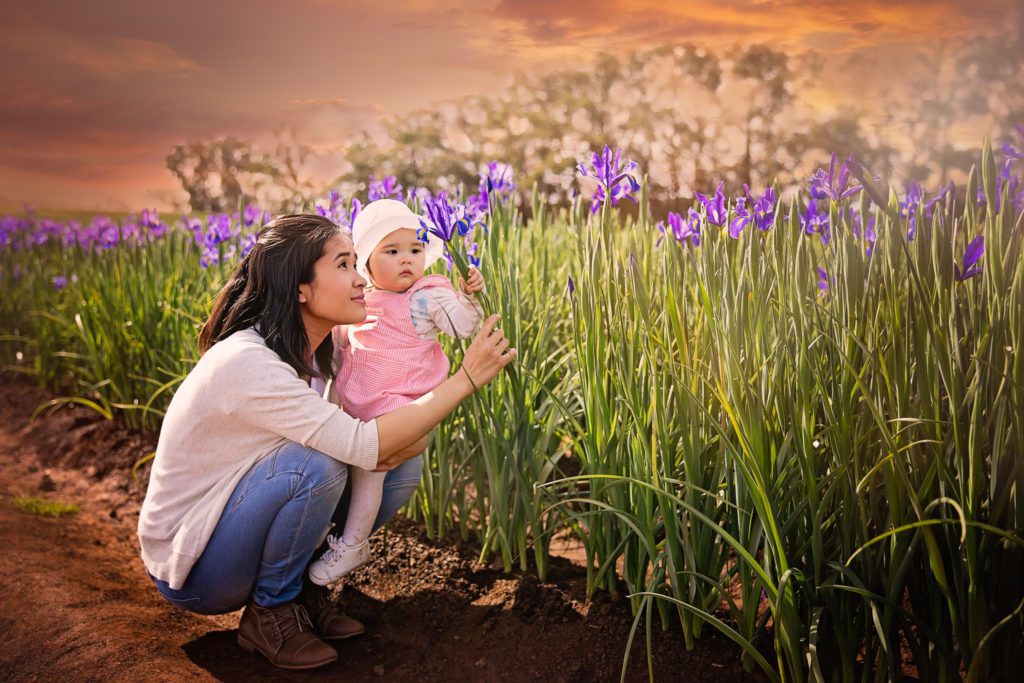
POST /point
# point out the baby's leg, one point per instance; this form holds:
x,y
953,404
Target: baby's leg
x,y
367,489
352,549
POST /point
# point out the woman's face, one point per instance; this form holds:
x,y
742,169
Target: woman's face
x,y
335,296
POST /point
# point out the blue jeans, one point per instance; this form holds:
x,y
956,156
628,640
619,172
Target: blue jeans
x,y
271,526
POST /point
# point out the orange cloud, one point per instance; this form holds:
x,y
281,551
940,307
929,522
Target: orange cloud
x,y
128,57
96,92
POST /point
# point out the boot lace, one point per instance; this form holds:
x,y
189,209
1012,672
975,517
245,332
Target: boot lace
x,y
290,619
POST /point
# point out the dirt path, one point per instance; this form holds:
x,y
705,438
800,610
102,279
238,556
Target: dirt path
x,y
77,604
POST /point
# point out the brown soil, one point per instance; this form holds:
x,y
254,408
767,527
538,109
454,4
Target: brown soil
x,y
77,604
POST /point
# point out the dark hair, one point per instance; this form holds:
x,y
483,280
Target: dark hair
x,y
264,292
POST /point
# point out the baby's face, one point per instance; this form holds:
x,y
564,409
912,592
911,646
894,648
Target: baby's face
x,y
397,261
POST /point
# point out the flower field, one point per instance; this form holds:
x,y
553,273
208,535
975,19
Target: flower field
x,y
794,417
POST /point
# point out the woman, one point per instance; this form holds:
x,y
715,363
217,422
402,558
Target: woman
x,y
251,461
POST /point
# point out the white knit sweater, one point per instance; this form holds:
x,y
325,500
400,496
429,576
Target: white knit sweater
x,y
239,403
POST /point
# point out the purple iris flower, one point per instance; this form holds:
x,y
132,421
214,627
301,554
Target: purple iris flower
x,y
211,255
336,210
1005,180
386,188
835,183
8,228
1011,152
975,250
682,230
131,232
220,228
940,196
248,242
333,209
251,216
865,231
353,211
49,229
615,181
714,207
155,228
194,226
445,220
815,221
106,232
497,178
471,251
741,219
478,206
763,208
909,205
822,281
571,287
69,235
59,282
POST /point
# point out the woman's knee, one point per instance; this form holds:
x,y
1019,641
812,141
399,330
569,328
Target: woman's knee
x,y
406,474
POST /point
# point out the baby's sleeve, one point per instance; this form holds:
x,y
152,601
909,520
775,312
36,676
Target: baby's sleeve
x,y
437,309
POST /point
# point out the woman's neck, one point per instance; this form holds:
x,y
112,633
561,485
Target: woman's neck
x,y
316,331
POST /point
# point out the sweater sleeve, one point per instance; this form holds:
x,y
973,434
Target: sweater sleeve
x,y
269,395
436,309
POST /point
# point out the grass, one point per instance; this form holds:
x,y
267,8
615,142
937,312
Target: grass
x,y
847,462
43,507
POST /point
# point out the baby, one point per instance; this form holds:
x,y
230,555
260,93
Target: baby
x,y
393,357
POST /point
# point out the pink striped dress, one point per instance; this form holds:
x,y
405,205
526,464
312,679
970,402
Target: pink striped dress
x,y
385,363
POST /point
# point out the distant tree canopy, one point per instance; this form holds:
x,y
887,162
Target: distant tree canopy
x,y
690,116
220,175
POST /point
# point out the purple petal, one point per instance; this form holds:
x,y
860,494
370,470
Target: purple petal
x,y
975,250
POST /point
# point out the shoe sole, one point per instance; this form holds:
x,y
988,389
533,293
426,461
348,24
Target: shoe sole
x,y
328,581
251,647
344,637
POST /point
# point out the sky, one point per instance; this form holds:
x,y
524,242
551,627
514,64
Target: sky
x,y
96,94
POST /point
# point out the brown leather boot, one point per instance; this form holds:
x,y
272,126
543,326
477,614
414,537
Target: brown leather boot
x,y
284,635
328,622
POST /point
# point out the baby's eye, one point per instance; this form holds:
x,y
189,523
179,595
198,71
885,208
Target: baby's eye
x,y
391,252
343,264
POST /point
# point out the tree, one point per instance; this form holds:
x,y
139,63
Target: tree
x,y
220,175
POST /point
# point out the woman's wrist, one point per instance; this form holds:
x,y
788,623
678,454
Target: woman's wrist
x,y
464,382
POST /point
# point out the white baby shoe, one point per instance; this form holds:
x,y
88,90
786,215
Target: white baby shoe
x,y
338,560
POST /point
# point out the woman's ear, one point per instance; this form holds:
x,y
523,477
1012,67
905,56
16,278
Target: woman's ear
x,y
305,291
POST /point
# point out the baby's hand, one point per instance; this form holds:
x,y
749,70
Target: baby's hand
x,y
474,284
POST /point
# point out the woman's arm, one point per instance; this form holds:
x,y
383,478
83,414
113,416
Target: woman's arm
x,y
487,354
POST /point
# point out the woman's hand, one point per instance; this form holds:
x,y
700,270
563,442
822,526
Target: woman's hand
x,y
474,284
392,460
487,354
